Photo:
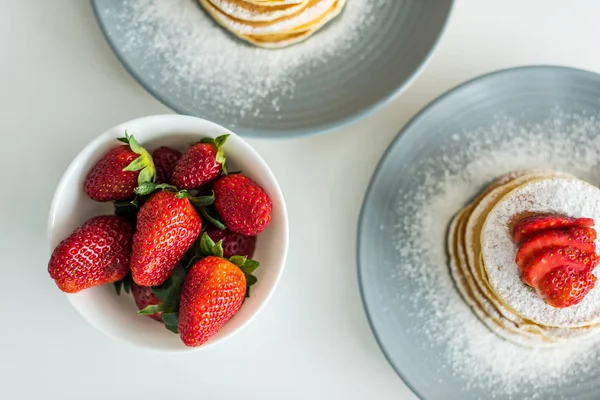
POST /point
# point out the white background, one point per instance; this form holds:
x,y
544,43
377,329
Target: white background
x,y
60,86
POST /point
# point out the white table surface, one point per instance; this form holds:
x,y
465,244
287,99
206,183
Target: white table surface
x,y
61,86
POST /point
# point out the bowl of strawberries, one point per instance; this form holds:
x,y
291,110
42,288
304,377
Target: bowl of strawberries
x,y
169,232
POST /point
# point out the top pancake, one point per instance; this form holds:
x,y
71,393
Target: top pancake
x,y
559,195
273,3
242,10
256,25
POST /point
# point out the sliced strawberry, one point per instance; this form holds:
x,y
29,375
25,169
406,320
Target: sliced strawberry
x,y
547,260
533,225
566,286
577,238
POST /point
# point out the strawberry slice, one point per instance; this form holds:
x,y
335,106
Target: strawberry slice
x,y
547,260
533,225
577,238
566,286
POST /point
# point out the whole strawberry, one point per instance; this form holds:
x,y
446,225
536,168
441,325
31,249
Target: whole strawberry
x,y
212,293
94,254
165,159
167,226
144,297
119,172
200,164
233,243
243,205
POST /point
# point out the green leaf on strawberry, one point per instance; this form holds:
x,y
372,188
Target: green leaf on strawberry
x,y
171,321
148,188
220,158
118,285
199,201
204,213
127,283
124,284
152,309
168,292
143,163
209,248
247,266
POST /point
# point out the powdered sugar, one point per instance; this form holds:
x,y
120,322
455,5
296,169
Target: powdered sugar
x,y
443,185
561,196
180,46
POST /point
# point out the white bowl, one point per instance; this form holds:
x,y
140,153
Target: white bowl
x,y
116,315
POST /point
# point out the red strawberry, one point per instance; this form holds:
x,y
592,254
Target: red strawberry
x,y
540,265
119,172
578,238
167,226
566,286
243,205
233,243
165,159
144,297
200,164
94,254
533,225
212,293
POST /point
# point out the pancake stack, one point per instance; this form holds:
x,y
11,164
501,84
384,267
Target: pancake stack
x,y
273,23
482,258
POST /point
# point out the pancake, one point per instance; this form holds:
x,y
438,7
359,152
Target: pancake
x,y
273,3
279,41
562,196
303,20
240,9
473,287
283,31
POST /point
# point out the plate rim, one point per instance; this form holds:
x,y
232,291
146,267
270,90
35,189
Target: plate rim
x,y
397,141
288,133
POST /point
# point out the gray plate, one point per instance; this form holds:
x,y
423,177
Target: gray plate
x,y
332,93
527,96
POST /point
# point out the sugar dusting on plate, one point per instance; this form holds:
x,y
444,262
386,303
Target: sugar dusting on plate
x,y
197,57
473,354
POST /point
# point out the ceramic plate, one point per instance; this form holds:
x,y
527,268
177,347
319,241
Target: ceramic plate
x,y
532,117
307,88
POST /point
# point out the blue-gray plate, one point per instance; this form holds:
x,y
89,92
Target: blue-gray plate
x,y
520,107
319,95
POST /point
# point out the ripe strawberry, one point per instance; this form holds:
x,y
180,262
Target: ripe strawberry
x,y
566,286
119,172
167,226
541,264
578,238
243,205
533,225
233,243
212,293
200,164
94,254
165,159
144,297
